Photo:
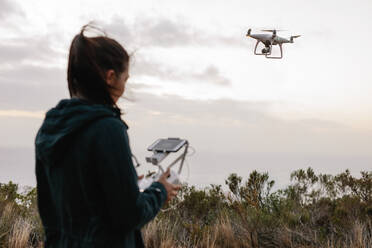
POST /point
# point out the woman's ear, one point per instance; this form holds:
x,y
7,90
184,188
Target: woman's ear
x,y
111,78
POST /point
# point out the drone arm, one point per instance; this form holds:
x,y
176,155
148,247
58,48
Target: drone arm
x,y
293,37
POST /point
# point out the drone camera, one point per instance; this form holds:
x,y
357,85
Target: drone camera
x,y
265,50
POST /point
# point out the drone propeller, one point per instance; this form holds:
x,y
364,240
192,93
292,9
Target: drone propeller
x,y
273,30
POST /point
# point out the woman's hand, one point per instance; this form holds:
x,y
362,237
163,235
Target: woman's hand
x,y
172,189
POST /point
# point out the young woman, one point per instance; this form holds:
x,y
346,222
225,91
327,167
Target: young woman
x,y
86,182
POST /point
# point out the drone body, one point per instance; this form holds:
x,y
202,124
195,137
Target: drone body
x,y
270,40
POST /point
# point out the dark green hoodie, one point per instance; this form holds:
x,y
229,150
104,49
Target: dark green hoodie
x,y
87,184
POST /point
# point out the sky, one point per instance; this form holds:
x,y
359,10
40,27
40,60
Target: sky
x,y
193,75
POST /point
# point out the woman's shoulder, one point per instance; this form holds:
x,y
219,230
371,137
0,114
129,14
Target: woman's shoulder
x,y
106,135
108,124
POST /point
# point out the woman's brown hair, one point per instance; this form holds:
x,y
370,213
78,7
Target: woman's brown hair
x,y
89,60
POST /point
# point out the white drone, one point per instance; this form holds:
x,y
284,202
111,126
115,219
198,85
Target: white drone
x,y
270,40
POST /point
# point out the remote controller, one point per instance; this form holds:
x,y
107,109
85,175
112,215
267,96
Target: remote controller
x,y
161,148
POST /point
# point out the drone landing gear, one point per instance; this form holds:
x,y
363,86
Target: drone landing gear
x,y
267,51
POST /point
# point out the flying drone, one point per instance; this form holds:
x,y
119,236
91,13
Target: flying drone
x,y
270,40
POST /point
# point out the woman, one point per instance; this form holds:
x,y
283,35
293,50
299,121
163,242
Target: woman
x,y
87,185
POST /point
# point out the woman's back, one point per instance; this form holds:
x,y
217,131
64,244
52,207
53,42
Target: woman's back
x,y
87,187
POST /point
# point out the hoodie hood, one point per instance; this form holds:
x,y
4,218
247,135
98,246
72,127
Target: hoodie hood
x,y
65,120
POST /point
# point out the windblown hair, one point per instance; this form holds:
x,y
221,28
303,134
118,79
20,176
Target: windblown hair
x,y
89,60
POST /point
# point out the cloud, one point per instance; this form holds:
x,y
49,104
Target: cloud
x,y
146,31
144,67
32,74
161,32
39,87
212,75
32,79
22,113
35,49
166,33
8,8
29,75
32,87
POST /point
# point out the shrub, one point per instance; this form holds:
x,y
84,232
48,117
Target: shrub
x,y
315,210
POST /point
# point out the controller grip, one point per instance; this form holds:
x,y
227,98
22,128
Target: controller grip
x,y
144,183
173,178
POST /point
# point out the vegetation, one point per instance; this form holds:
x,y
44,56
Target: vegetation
x,y
315,210
20,225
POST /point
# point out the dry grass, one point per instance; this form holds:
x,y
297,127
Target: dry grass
x,y
7,217
20,234
296,217
221,235
163,233
17,231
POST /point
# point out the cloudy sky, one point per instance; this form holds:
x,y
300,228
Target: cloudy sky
x,y
194,75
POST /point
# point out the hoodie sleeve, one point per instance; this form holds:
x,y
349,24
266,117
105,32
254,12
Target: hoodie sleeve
x,y
127,208
44,200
